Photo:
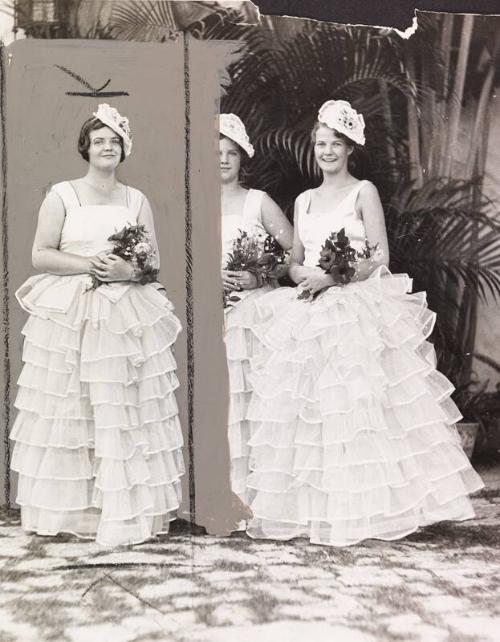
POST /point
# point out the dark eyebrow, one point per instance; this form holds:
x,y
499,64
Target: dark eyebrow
x,y
113,138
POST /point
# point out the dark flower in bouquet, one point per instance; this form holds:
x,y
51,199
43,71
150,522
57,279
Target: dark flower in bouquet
x,y
262,256
274,259
338,258
133,244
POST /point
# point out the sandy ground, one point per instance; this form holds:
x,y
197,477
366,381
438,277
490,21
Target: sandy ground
x,y
441,584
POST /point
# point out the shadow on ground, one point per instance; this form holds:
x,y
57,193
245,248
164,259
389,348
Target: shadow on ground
x,y
440,584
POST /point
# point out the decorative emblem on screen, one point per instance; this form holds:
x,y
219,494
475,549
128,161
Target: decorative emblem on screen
x,y
93,92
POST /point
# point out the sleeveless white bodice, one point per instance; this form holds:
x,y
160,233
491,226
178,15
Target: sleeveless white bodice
x,y
85,232
315,227
86,228
249,220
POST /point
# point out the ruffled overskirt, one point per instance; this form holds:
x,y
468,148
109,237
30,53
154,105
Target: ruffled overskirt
x,y
241,345
352,427
98,444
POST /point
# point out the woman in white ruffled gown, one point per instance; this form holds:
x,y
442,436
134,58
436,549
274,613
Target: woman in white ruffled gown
x,y
254,212
98,445
352,426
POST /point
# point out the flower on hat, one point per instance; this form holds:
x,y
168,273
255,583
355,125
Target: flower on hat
x,y
232,127
119,124
339,115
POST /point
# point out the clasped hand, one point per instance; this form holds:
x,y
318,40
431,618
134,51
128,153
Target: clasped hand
x,y
232,280
109,267
316,281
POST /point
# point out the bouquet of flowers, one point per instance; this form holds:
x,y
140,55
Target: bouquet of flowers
x,y
338,257
133,244
262,256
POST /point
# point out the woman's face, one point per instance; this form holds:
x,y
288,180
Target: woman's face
x,y
330,151
105,148
230,160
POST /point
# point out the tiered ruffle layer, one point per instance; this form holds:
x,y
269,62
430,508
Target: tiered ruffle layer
x,y
98,444
353,431
241,346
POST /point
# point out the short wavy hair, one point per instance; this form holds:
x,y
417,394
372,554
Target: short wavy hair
x,y
90,125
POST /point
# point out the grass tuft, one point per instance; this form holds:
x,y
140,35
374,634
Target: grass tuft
x,y
450,534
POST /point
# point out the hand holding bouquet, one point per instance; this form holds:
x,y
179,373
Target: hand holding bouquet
x,y
132,244
261,256
338,259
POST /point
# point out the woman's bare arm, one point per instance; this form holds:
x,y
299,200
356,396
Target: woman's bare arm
x,y
45,256
276,223
369,206
146,218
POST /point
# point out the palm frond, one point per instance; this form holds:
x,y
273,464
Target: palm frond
x,y
448,240
220,24
492,363
339,62
159,20
143,20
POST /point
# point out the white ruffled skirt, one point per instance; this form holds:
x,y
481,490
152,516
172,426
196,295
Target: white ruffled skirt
x,y
353,431
241,346
98,444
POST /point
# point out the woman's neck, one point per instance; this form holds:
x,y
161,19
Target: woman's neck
x,y
103,181
229,190
232,199
337,180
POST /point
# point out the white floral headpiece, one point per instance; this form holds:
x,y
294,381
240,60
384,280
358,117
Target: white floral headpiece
x,y
339,115
232,127
119,124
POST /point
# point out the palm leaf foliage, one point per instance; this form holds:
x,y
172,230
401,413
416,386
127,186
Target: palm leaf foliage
x,y
149,21
277,88
433,236
443,231
160,20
